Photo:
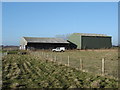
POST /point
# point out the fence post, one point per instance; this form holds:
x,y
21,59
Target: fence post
x,y
61,60
51,57
54,58
47,55
81,64
68,61
103,66
44,54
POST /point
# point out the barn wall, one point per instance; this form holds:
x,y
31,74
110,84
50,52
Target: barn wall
x,y
75,39
23,44
95,42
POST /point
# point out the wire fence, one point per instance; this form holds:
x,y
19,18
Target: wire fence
x,y
102,66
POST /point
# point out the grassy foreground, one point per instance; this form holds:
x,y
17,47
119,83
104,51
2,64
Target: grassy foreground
x,y
26,71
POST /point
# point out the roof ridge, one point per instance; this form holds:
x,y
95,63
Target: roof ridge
x,y
90,34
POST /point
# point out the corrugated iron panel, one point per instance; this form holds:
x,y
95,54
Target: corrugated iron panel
x,y
44,40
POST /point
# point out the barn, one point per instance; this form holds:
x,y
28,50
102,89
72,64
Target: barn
x,y
42,43
90,41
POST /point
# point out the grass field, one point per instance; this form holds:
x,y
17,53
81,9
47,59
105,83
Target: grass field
x,y
31,71
91,59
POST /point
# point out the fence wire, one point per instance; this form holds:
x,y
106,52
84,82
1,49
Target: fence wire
x,y
92,64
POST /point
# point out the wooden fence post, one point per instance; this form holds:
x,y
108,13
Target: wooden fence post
x,y
68,60
51,57
81,64
103,66
54,58
61,60
44,54
47,55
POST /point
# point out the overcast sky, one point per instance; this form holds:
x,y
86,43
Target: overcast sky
x,y
50,19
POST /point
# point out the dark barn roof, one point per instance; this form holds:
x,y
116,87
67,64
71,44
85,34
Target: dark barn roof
x,y
44,40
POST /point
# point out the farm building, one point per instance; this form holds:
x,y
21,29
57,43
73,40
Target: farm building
x,y
90,41
42,43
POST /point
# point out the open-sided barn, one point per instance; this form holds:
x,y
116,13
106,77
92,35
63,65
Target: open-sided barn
x,y
90,41
42,43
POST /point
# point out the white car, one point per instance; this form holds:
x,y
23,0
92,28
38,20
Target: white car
x,y
59,49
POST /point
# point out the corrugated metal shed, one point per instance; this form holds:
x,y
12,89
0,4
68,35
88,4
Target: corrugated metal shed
x,y
90,41
44,40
